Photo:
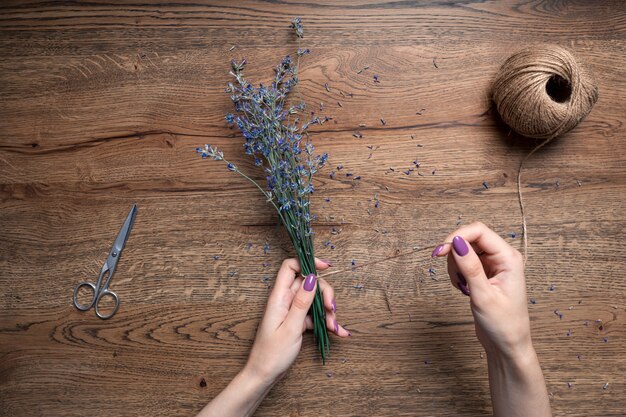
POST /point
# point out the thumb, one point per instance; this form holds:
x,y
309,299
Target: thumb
x,y
301,304
469,266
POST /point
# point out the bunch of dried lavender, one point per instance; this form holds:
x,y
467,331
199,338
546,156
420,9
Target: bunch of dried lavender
x,y
283,148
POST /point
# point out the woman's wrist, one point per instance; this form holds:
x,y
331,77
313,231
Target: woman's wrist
x,y
240,398
519,357
257,376
517,384
511,348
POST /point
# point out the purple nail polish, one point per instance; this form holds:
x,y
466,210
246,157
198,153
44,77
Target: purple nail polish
x,y
437,251
463,284
336,327
309,282
459,245
329,263
333,305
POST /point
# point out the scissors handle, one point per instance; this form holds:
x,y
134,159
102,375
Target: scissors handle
x,y
112,294
85,307
95,301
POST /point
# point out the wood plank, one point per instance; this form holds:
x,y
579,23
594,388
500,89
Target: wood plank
x,y
103,105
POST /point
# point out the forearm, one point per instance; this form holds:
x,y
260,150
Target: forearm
x,y
517,385
240,398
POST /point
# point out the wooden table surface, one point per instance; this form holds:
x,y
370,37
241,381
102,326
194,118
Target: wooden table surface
x,y
103,105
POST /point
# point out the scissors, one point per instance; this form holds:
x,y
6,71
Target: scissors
x,y
109,266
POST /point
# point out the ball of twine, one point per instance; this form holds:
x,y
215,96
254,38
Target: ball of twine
x,y
543,91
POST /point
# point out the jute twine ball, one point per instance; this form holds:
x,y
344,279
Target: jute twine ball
x,y
543,91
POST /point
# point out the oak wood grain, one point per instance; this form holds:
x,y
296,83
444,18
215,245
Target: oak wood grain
x,y
102,104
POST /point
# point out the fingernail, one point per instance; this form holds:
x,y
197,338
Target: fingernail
x,y
459,245
336,327
309,282
463,284
333,305
329,263
464,289
437,250
349,333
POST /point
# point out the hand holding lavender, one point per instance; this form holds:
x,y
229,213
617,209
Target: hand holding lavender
x,y
283,148
277,342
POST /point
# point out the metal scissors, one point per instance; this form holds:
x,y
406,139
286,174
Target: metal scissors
x,y
109,266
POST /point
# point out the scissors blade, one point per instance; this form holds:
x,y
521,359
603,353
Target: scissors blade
x,y
122,236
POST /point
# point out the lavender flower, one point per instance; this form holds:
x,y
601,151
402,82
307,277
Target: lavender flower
x,y
281,145
296,24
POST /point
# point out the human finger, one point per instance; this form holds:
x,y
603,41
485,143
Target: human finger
x,y
469,267
478,234
301,304
456,278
